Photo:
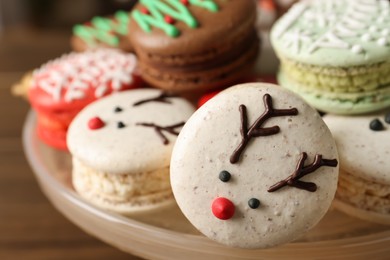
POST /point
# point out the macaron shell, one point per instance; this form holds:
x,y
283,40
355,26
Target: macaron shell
x,y
80,45
237,17
195,82
124,194
364,194
339,103
133,147
54,138
76,79
42,101
220,49
102,32
52,127
363,152
334,33
203,150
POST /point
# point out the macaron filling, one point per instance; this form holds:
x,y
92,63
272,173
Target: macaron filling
x,y
364,194
339,103
340,80
142,189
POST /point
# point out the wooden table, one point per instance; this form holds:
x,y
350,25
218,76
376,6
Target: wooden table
x,y
30,228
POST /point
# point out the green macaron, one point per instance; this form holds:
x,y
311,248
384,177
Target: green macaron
x,y
336,54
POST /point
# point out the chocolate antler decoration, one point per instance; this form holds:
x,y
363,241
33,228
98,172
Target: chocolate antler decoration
x,y
255,130
301,170
160,98
160,129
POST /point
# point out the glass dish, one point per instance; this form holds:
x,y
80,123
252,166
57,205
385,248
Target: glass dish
x,y
168,235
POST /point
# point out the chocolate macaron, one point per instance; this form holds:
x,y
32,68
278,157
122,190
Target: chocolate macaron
x,y
192,45
102,32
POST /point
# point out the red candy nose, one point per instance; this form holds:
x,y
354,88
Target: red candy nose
x,y
95,123
223,208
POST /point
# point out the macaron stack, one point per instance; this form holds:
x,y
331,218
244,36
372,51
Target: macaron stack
x,y
59,89
192,45
336,54
102,32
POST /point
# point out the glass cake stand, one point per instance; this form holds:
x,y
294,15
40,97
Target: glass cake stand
x,y
168,235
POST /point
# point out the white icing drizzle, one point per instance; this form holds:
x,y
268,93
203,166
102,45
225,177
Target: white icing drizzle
x,y
358,14
52,88
380,19
357,49
382,41
322,14
384,4
295,38
373,29
337,24
70,76
353,23
367,8
74,94
329,40
291,17
344,31
366,37
100,91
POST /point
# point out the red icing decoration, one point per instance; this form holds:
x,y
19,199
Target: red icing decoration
x,y
95,123
144,10
185,2
223,208
169,19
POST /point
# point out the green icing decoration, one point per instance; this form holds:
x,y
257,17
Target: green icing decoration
x,y
209,5
101,29
172,8
123,22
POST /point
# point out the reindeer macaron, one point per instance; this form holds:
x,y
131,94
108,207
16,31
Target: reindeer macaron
x,y
121,148
364,183
254,167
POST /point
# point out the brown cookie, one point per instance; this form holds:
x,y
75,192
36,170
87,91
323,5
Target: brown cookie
x,y
102,32
193,45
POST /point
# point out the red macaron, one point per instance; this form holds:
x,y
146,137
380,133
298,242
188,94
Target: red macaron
x,y
61,88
